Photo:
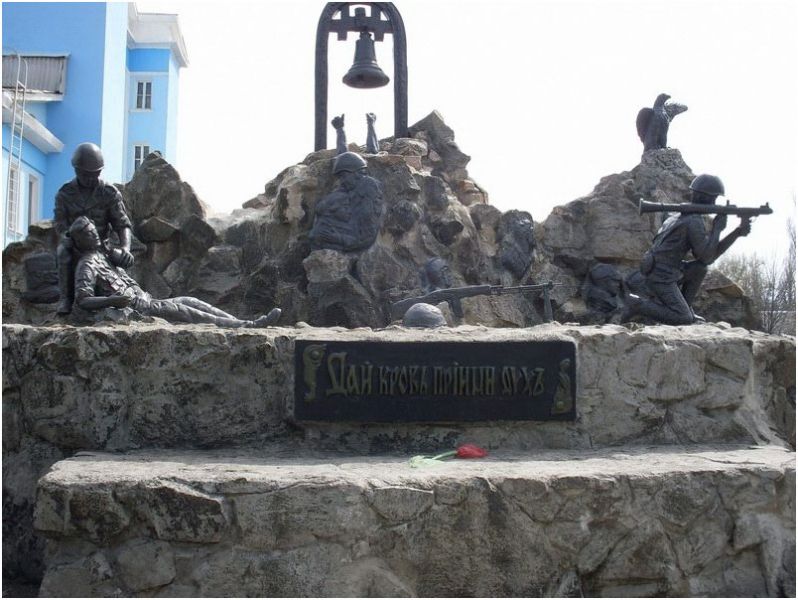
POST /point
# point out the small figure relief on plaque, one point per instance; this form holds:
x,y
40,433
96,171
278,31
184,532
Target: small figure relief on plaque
x,y
563,399
311,359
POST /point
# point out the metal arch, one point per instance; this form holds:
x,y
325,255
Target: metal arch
x,y
397,28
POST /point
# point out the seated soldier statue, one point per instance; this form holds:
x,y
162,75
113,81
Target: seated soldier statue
x,y
348,218
101,284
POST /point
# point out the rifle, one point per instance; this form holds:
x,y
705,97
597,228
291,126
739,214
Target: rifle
x,y
744,213
452,296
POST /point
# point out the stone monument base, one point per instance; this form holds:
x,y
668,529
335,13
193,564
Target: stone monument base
x,y
161,460
655,521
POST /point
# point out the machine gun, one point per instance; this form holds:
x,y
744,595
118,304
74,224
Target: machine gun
x,y
705,209
453,296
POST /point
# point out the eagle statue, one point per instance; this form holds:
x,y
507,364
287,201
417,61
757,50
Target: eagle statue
x,y
653,123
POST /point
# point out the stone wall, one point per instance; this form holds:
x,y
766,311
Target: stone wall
x,y
151,385
633,522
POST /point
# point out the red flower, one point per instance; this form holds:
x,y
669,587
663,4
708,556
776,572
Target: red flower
x,y
470,451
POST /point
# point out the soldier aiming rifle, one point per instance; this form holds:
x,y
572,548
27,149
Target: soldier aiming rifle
x,y
673,281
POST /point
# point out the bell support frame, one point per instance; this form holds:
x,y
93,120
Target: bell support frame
x,y
355,23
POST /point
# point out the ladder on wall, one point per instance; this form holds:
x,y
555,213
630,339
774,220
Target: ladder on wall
x,y
17,127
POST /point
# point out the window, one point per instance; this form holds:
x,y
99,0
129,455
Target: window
x,y
12,206
144,95
33,199
140,152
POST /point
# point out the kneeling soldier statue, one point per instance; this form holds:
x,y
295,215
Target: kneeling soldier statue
x,y
672,281
99,283
87,195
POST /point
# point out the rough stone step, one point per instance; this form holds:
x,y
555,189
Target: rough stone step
x,y
653,521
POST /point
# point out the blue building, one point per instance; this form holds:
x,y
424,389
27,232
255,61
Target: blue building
x,y
92,72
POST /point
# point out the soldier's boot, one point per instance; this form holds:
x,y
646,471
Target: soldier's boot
x,y
631,307
266,320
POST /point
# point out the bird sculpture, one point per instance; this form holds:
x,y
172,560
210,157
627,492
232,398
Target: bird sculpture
x,y
653,123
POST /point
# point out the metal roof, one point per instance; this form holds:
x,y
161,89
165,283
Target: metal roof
x,y
46,74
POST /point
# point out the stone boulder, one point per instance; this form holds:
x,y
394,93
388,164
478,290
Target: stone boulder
x,y
156,191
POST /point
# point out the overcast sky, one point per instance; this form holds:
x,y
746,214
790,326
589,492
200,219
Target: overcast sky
x,y
543,94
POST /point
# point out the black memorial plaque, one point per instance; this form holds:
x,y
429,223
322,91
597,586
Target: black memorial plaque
x,y
389,382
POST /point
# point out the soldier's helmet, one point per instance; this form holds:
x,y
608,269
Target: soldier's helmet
x,y
88,157
424,316
708,184
348,161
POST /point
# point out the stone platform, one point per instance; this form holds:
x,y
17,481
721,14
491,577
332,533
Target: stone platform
x,y
171,394
650,521
154,385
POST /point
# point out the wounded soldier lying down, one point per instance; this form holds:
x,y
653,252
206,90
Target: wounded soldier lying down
x,y
99,283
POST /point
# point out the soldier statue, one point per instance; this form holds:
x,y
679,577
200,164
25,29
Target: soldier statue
x,y
87,195
672,281
101,283
348,218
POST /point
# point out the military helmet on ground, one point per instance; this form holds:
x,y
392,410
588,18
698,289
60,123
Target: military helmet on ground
x,y
424,315
88,157
708,184
348,161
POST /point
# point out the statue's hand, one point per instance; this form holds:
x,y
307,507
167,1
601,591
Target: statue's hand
x,y
120,301
122,258
338,122
370,118
745,226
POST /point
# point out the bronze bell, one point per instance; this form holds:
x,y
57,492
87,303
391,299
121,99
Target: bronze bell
x,y
365,72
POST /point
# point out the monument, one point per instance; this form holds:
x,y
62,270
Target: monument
x,y
160,459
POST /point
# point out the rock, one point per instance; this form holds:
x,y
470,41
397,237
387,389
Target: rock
x,y
516,241
179,513
382,270
401,217
41,278
486,220
155,229
327,265
145,564
469,193
409,147
161,254
441,137
196,236
400,504
91,576
219,275
156,190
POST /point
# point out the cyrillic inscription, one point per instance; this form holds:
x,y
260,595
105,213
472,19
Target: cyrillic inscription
x,y
435,381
